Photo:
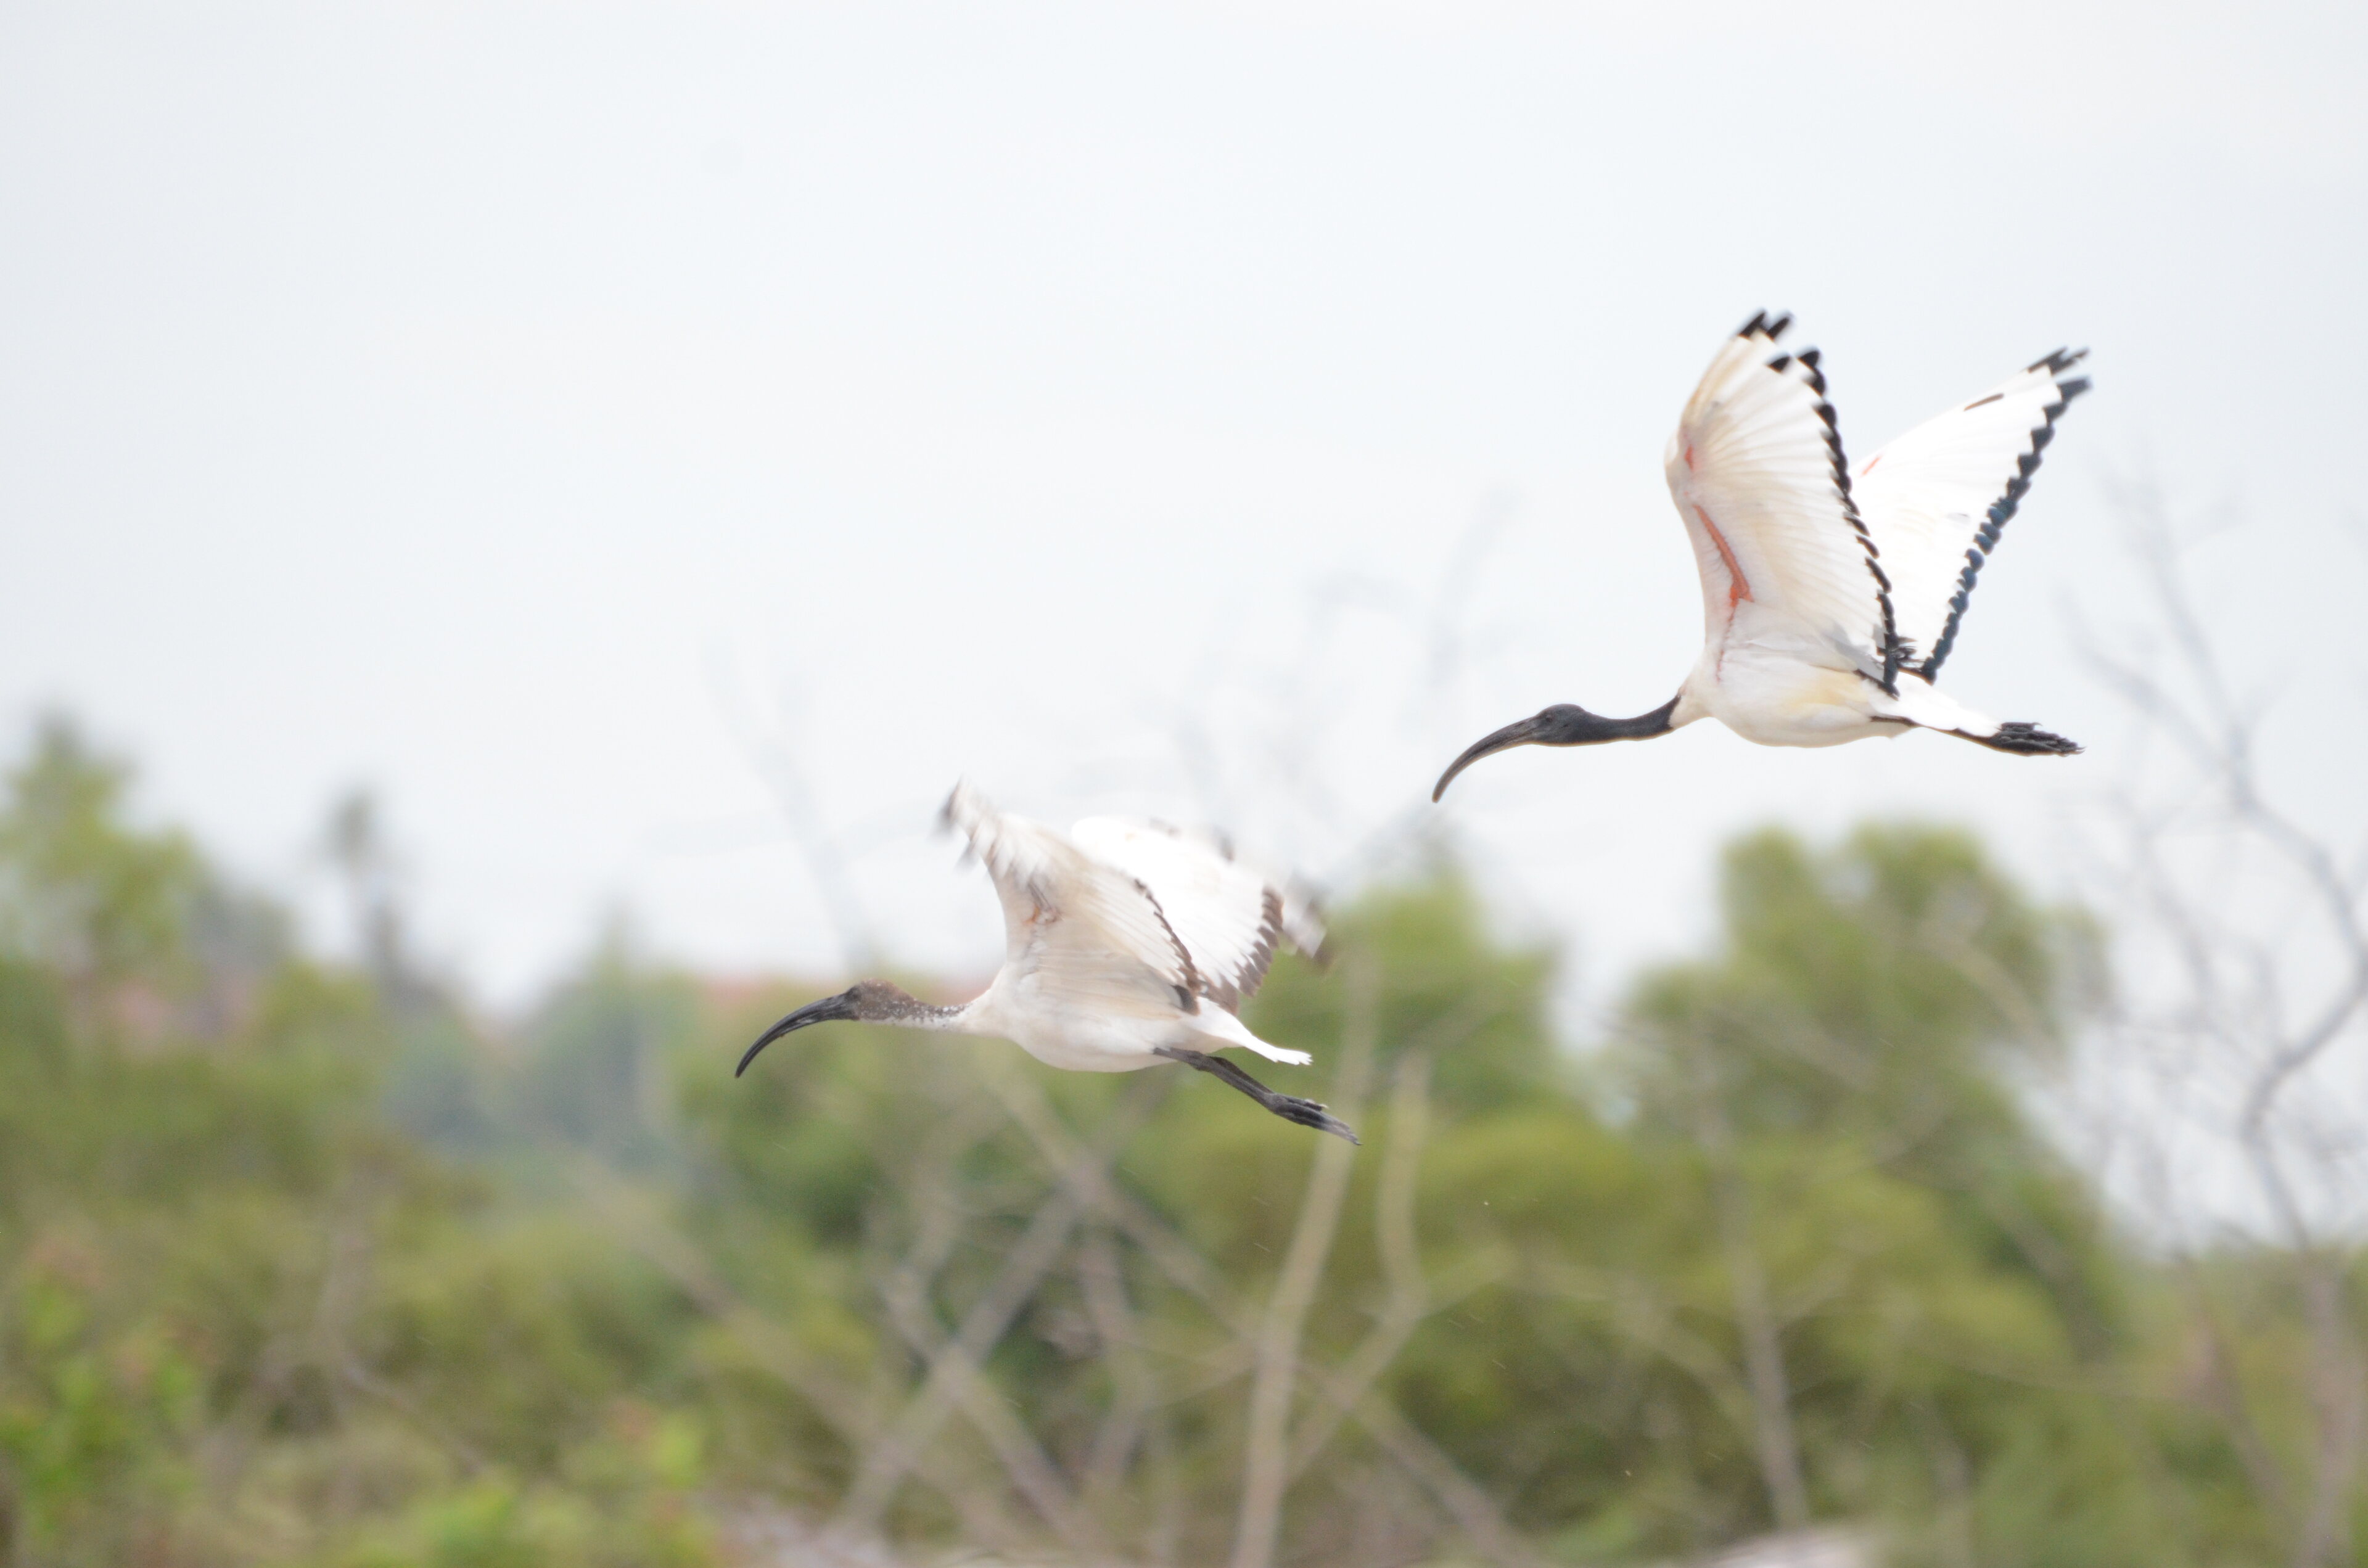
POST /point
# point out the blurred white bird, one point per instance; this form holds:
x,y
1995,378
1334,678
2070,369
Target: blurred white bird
x,y
1829,599
1127,944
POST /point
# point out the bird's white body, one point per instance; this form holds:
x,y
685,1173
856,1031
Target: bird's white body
x,y
1829,597
1049,1026
1126,944
1774,687
1769,694
1122,939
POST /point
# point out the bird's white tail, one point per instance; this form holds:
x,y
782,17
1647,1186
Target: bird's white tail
x,y
1921,703
1226,1029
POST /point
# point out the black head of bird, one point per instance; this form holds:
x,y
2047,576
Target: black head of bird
x,y
865,1002
1563,724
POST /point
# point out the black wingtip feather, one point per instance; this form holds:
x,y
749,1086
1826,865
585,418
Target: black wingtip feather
x,y
1896,652
2055,364
2002,509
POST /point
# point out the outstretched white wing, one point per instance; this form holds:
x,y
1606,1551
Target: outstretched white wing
x,y
1755,469
1228,914
1077,932
1936,498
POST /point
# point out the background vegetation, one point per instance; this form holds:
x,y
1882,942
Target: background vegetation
x,y
301,1263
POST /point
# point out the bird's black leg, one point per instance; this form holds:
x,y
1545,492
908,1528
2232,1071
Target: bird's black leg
x,y
1290,1108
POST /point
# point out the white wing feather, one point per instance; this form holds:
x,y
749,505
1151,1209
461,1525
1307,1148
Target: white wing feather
x,y
1077,930
1936,498
1228,914
1755,469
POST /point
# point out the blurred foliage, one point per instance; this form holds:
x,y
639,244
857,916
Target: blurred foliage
x,y
302,1264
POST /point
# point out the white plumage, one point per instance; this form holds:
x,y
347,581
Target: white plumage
x,y
1830,598
1935,504
1126,944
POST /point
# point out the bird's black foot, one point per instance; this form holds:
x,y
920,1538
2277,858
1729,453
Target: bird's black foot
x,y
1308,1113
2028,740
1290,1108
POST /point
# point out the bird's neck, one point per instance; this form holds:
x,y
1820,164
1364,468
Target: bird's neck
x,y
892,1005
945,1020
1689,707
1577,727
1645,726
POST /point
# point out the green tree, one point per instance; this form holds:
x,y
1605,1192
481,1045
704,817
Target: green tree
x,y
298,1265
1848,1076
82,894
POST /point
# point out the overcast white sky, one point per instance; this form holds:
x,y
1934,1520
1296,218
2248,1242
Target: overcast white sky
x,y
482,401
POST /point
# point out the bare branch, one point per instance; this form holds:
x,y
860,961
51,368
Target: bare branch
x,y
1394,1226
780,1352
767,737
955,1375
1474,1513
1266,1462
2229,1016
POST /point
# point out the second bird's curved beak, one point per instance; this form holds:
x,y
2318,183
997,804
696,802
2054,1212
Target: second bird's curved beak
x,y
1526,732
829,1010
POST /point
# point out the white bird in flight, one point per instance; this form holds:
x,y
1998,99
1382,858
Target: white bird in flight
x,y
1127,944
1830,598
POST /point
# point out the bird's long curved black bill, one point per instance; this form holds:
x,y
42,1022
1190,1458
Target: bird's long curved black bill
x,y
1520,733
829,1010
